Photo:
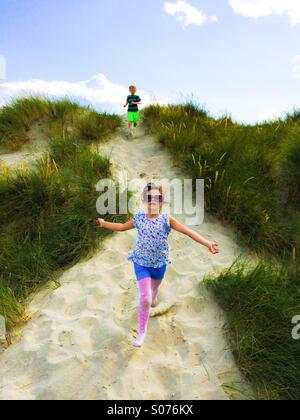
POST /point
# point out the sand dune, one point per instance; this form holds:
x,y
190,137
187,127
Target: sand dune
x,y
78,344
33,150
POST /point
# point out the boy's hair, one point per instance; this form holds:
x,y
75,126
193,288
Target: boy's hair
x,y
151,186
132,87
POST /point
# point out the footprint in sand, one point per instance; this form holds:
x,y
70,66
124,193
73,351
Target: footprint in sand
x,y
161,309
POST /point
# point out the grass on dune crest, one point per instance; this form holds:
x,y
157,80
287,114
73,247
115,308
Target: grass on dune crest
x,y
251,173
48,210
62,115
260,303
251,178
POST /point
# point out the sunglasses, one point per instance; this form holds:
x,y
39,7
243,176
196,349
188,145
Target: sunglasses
x,y
154,198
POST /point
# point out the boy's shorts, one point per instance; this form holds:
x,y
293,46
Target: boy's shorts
x,y
133,117
146,272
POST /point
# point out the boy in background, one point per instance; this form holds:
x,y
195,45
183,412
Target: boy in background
x,y
133,101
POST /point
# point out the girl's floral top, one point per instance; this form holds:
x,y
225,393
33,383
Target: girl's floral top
x,y
152,248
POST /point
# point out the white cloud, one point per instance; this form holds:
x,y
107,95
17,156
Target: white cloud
x,y
187,14
259,8
98,91
296,67
268,114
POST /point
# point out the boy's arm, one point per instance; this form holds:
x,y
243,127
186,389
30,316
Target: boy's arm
x,y
179,227
126,104
116,227
138,102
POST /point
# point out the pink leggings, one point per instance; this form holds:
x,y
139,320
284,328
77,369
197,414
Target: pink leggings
x,y
148,293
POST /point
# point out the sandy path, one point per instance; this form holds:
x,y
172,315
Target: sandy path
x,y
78,344
31,151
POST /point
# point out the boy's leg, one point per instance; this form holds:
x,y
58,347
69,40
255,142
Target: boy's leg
x,y
130,124
136,119
155,285
144,309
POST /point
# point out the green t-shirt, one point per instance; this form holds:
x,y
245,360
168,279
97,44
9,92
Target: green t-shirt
x,y
132,107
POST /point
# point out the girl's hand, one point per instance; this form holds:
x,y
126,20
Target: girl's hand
x,y
213,248
99,222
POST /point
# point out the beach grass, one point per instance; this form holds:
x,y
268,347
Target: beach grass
x,y
48,210
57,116
251,175
260,304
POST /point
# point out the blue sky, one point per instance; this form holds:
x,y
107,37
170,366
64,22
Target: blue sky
x,y
236,56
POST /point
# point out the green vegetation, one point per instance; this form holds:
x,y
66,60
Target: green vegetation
x,y
47,213
17,119
251,172
251,178
260,304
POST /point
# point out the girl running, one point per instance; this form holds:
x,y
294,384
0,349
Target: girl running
x,y
151,253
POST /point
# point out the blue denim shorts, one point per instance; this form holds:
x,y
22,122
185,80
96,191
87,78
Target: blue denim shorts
x,y
145,272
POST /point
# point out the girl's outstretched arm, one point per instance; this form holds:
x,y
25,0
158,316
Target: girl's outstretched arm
x,y
179,227
117,227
